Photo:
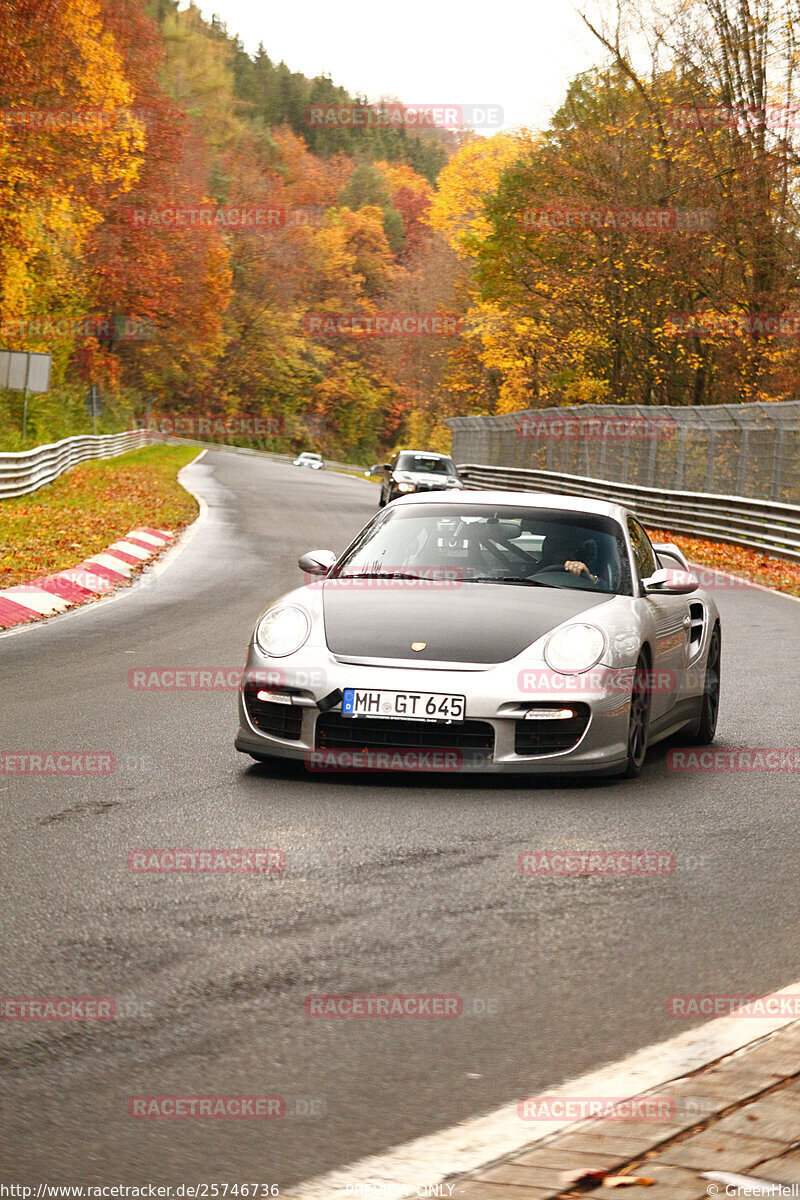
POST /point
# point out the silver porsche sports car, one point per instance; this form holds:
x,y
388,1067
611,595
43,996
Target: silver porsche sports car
x,y
485,631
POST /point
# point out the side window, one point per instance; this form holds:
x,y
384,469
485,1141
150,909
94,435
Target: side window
x,y
642,550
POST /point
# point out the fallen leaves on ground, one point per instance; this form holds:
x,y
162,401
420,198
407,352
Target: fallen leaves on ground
x,y
91,506
737,560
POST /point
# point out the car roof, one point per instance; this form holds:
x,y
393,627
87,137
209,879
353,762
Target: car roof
x,y
426,453
309,454
576,504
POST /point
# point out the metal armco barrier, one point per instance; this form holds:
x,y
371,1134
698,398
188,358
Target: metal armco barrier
x,y
26,470
756,524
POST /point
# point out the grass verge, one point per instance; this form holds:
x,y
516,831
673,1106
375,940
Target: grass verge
x,y
760,568
90,507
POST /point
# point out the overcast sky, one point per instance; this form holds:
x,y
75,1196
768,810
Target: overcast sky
x,y
518,56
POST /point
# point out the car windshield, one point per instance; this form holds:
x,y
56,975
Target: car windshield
x,y
315,457
512,545
427,463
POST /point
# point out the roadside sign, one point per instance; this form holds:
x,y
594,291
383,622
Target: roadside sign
x,y
23,370
39,373
17,370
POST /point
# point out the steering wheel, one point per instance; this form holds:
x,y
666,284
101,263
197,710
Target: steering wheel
x,y
580,581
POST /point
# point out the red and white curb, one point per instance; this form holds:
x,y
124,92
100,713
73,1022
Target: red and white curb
x,y
92,578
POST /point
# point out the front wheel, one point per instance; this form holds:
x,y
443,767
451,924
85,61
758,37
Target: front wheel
x,y
639,720
710,709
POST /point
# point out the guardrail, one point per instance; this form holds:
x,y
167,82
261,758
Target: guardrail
x,y
756,524
26,470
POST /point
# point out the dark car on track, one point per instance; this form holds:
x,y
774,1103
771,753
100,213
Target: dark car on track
x,y
410,471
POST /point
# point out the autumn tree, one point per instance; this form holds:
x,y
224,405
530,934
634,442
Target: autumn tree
x,y
67,145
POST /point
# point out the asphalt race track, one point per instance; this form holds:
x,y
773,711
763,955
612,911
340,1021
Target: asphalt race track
x,y
392,884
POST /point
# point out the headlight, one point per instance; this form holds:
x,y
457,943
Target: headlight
x,y
283,630
574,648
405,487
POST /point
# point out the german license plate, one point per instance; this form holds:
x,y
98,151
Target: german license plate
x,y
409,706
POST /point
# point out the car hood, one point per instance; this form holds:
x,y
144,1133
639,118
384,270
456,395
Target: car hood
x,y
462,622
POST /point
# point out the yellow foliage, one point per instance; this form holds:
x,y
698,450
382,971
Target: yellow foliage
x,y
464,185
58,164
400,175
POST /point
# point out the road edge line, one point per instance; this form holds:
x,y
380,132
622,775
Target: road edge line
x,y
760,587
473,1144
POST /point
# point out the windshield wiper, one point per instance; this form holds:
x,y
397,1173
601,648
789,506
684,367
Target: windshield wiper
x,y
380,575
509,579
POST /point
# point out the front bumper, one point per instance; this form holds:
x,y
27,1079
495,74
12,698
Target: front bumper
x,y
494,699
423,488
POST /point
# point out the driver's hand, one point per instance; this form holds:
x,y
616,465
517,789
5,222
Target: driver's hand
x,y
578,568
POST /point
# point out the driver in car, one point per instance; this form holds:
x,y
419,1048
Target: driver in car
x,y
562,549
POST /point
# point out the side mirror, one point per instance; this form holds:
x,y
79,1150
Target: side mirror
x,y
670,583
672,554
386,467
317,562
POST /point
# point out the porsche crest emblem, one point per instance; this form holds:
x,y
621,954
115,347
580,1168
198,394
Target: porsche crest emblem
x,y
418,645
